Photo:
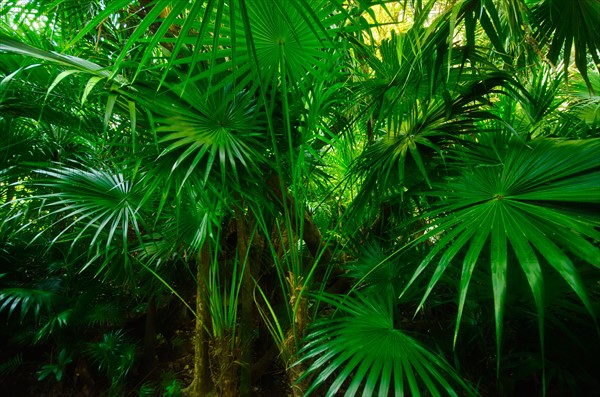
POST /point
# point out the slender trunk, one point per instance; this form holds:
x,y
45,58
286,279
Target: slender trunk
x,y
202,384
300,220
290,349
370,132
246,305
225,367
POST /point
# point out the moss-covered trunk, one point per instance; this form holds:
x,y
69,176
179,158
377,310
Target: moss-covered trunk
x,y
201,385
290,349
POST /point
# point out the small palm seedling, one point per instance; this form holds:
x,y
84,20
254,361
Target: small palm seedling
x,y
114,355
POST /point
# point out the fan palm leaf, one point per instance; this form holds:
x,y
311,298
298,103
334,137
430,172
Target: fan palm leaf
x,y
98,205
362,346
416,133
286,41
570,25
36,301
538,200
204,129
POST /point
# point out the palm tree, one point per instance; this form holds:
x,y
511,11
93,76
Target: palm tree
x,y
163,131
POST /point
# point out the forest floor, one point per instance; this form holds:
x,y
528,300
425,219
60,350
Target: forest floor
x,y
172,373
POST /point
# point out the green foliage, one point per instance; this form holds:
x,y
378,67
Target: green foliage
x,y
146,390
444,162
11,365
362,344
114,355
100,204
56,368
539,198
173,389
570,25
27,300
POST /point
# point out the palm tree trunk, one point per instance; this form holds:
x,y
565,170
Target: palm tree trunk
x,y
246,303
294,335
300,220
202,384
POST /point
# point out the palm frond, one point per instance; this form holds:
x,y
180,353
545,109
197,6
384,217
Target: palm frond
x,y
570,25
114,355
100,206
15,47
376,272
181,231
220,130
361,348
539,200
10,365
287,43
35,301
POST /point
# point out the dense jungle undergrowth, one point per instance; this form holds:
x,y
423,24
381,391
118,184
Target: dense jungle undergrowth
x,y
299,197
